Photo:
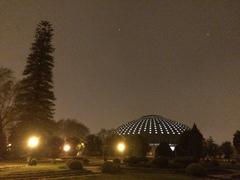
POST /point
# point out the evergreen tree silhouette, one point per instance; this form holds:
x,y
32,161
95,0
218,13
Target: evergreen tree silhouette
x,y
35,99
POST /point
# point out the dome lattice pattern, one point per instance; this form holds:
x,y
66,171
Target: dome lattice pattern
x,y
152,124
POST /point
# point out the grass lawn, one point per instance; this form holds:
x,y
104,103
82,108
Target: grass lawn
x,y
14,168
143,174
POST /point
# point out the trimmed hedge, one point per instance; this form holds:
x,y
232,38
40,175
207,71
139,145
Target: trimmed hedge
x,y
195,169
74,165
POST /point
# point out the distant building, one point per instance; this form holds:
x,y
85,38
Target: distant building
x,y
155,129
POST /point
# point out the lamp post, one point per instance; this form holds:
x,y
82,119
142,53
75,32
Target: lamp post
x,y
32,144
121,147
66,149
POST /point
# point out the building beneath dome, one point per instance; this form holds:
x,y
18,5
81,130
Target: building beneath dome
x,y
155,129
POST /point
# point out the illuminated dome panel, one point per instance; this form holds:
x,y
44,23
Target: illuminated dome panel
x,y
152,125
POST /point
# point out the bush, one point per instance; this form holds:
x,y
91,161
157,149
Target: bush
x,y
74,165
161,162
195,169
32,162
110,167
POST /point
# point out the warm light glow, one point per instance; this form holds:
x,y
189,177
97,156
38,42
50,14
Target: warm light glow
x,y
66,147
33,142
121,147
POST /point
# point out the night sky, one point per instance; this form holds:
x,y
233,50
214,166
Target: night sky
x,y
118,60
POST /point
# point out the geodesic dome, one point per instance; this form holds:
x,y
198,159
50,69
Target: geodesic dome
x,y
154,128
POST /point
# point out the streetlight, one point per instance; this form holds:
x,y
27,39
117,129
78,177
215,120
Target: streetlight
x,y
121,147
33,142
66,148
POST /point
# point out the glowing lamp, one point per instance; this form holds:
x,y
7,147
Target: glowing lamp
x,y
33,142
121,147
66,147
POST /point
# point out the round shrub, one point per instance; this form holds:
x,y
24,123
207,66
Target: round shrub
x,y
195,169
74,165
110,167
161,162
32,162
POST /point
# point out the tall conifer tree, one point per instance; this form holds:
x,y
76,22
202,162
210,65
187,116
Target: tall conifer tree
x,y
35,101
195,142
